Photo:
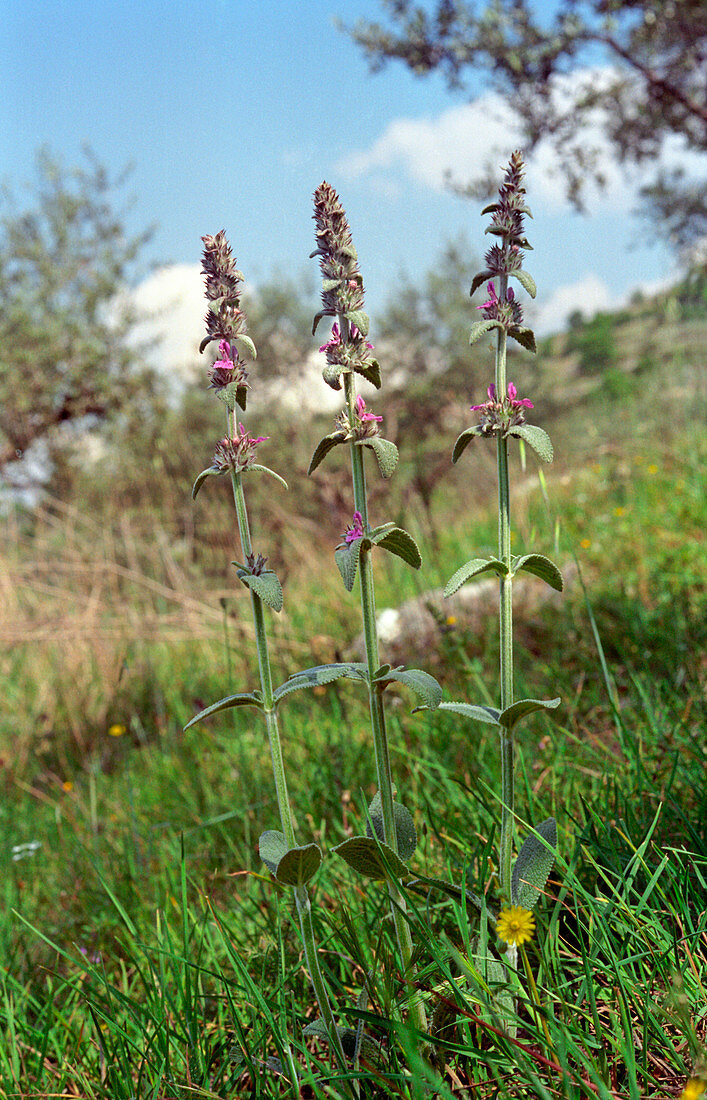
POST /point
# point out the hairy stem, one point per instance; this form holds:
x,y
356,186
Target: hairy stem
x,y
380,736
301,893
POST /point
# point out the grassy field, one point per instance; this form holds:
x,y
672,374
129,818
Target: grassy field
x,y
144,951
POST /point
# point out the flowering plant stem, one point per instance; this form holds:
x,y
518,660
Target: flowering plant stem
x,y
301,893
380,738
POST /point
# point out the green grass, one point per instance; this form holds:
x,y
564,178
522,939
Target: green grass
x,y
144,951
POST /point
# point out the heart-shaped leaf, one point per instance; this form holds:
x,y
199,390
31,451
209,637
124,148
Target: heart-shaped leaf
x,y
397,541
299,865
478,280
358,318
480,327
386,454
241,699
323,447
537,438
419,681
539,566
371,371
247,343
405,832
267,586
508,717
321,674
526,280
464,440
533,865
473,568
470,710
371,857
523,336
332,373
346,558
272,847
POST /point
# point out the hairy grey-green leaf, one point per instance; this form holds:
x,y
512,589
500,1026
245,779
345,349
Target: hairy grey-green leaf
x,y
241,699
346,558
464,440
267,586
473,568
272,846
371,371
358,318
247,343
405,832
399,542
319,675
479,328
478,279
537,438
526,280
331,374
533,865
323,447
523,336
386,454
211,472
266,470
370,1050
539,566
522,707
419,681
470,710
371,858
298,865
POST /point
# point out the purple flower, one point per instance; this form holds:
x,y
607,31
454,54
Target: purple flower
x,y
361,410
498,416
334,340
237,453
493,300
517,402
355,531
356,335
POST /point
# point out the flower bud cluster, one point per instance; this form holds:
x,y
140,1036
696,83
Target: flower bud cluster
x,y
236,453
256,563
499,415
224,319
363,425
342,288
341,353
227,370
506,310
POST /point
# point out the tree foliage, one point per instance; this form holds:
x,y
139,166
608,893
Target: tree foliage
x,y
65,265
652,92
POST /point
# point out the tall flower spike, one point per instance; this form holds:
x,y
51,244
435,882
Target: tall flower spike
x,y
224,320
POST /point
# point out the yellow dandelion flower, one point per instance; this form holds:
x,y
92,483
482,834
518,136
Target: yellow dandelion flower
x,y
585,544
652,469
451,620
116,730
515,925
67,786
619,511
694,1088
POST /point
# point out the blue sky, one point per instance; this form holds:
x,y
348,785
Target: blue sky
x,y
233,111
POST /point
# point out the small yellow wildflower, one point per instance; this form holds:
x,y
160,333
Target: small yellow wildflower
x,y
652,469
67,786
515,925
116,730
619,511
451,620
694,1088
585,544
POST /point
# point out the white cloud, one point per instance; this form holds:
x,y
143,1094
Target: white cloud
x,y
171,306
588,295
464,141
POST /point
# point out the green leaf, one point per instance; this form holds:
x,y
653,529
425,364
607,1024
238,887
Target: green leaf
x,y
370,1049
386,453
422,884
272,846
539,566
473,568
470,710
299,865
464,440
371,372
358,318
523,336
424,685
266,470
533,865
331,284
267,586
482,277
241,699
526,280
318,316
346,558
490,209
397,541
321,674
213,471
480,327
332,373
537,438
371,857
323,447
516,711
247,344
405,831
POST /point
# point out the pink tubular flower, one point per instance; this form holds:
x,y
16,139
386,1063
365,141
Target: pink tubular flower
x,y
355,531
493,300
498,416
521,402
361,410
237,453
334,340
356,335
